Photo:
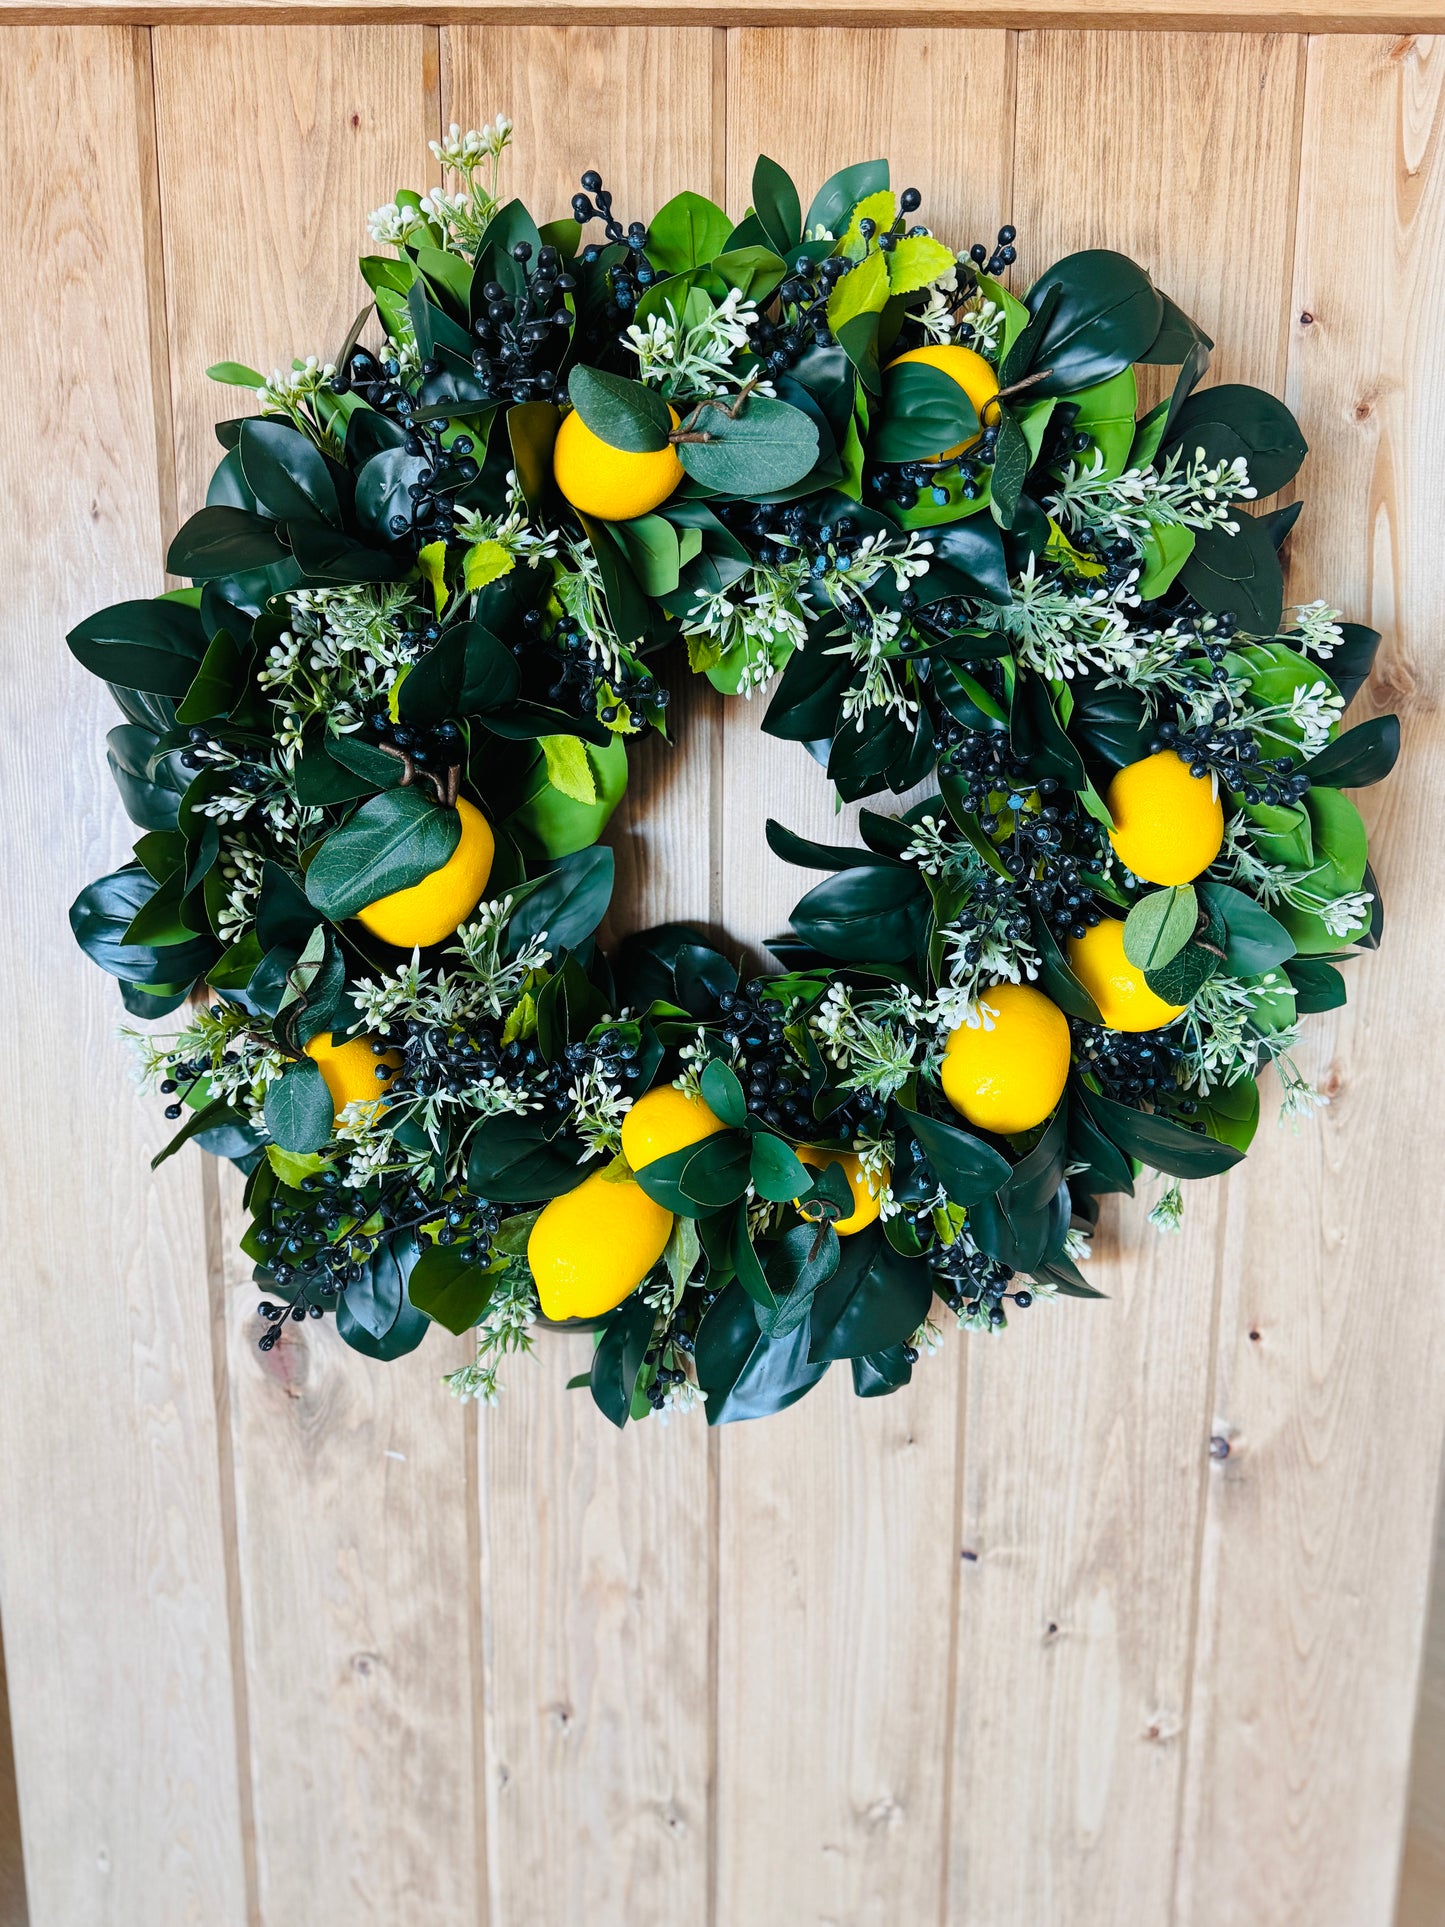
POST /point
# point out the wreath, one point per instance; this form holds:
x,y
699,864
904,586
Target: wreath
x,y
372,750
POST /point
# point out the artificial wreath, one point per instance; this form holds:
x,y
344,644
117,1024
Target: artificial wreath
x,y
372,750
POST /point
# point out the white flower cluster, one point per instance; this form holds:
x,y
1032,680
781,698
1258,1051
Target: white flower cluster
x,y
1275,883
688,361
1199,496
764,613
505,1329
461,217
514,533
1060,630
875,1042
339,657
872,633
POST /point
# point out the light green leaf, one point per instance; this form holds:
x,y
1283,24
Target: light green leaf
x,y
485,562
1159,926
1166,550
568,769
917,260
881,209
235,374
432,562
864,290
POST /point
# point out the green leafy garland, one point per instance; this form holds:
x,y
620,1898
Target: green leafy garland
x,y
398,614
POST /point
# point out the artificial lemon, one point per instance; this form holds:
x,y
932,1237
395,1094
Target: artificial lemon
x,y
432,909
1168,825
614,484
592,1247
1008,1078
663,1121
1125,1001
865,1200
973,375
349,1069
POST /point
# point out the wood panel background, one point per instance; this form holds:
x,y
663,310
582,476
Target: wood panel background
x,y
295,1638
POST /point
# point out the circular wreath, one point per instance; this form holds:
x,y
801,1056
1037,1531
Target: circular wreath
x,y
372,750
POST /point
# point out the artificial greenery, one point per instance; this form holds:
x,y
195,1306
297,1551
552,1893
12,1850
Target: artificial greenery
x,y
394,608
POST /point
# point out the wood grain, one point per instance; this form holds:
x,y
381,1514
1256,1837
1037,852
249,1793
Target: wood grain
x,y
356,1571
1422,1863
837,1564
1319,1523
1203,16
597,1550
114,1577
1087,1427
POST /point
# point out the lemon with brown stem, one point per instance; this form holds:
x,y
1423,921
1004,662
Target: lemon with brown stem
x,y
432,909
614,484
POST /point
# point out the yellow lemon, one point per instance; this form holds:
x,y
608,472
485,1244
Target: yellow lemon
x,y
1125,1001
662,1122
1168,825
432,909
1008,1078
973,375
592,1247
865,1202
611,483
348,1069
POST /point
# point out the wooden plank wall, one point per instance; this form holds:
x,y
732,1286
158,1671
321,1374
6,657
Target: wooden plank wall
x,y
295,1637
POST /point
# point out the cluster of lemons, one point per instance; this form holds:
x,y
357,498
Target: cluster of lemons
x,y
590,1248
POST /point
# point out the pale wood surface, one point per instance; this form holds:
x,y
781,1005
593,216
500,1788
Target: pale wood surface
x,y
112,1567
597,1550
1422,1866
1318,1525
296,1638
357,1593
1086,1439
1208,16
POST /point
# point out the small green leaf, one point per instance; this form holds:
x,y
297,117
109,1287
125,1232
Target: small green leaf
x,y
723,1094
916,260
568,769
450,1289
1159,926
778,1174
298,1109
864,290
767,445
235,374
622,413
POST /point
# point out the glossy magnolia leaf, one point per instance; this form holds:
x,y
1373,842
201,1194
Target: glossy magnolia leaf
x,y
1353,659
1057,979
569,903
1159,926
880,1373
745,1373
287,473
1361,756
299,1111
1254,941
617,1362
766,446
701,1177
776,205
969,560
1012,459
840,193
1317,985
1159,1141
1233,421
224,541
924,413
873,914
1237,575
389,844
968,1169
513,1161
450,1289
371,1306
1093,314
875,1298
105,910
155,646
797,1264
810,855
622,413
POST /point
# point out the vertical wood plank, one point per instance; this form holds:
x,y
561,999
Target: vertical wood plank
x,y
837,1558
1087,1425
1330,1390
111,1551
357,1582
1422,1863
597,1549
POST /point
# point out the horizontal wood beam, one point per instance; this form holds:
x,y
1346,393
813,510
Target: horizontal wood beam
x,y
1216,16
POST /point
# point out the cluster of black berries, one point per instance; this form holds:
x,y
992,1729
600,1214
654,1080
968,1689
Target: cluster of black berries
x,y
206,747
802,319
904,482
441,748
629,278
777,1084
445,471
186,1076
514,331
982,760
969,1281
781,534
1130,1066
1003,256
588,686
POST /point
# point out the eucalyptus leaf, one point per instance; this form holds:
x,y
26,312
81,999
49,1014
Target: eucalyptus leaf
x,y
1159,926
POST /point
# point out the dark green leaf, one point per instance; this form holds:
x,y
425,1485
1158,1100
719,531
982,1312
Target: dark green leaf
x,y
1361,756
450,1289
1093,314
881,1373
1317,985
837,197
210,1116
299,1111
153,646
1254,941
1012,459
567,906
723,1094
1232,420
745,1373
968,1169
389,844
864,915
1186,973
287,473
701,1177
1237,575
513,1161
622,413
875,1298
924,412
777,1173
1159,1141
617,1362
777,206
808,855
105,910
224,541
797,1263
